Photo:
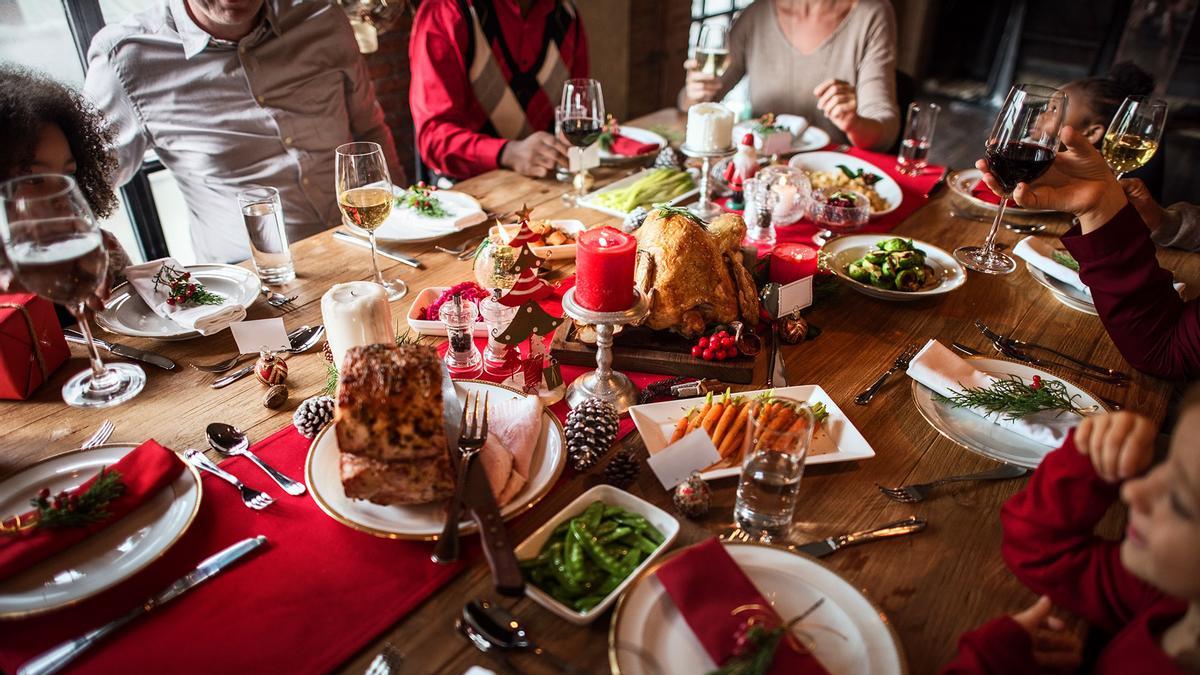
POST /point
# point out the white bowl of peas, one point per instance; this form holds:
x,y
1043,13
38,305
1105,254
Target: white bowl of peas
x,y
581,560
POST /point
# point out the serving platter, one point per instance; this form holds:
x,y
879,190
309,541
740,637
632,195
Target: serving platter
x,y
946,269
887,187
109,556
425,521
125,313
589,200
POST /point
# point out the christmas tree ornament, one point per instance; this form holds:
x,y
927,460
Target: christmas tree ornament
x,y
270,368
528,286
622,469
740,169
276,396
591,428
793,329
693,497
313,415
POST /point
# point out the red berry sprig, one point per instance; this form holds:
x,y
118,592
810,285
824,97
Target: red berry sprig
x,y
181,290
719,346
420,198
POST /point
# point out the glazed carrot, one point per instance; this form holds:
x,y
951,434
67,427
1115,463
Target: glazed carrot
x,y
798,425
713,416
681,428
737,431
781,420
727,417
695,420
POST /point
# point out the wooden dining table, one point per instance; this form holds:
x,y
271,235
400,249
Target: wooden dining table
x,y
931,587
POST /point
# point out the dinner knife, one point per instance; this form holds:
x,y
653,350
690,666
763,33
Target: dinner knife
x,y
941,181
152,358
822,548
53,660
342,235
479,501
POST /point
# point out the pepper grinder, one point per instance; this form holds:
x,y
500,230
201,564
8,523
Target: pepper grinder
x,y
463,359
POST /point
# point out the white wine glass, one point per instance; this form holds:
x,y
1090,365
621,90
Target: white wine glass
x,y
364,193
1021,146
1134,134
712,49
57,251
582,120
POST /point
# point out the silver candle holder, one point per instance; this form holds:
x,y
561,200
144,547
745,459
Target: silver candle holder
x,y
604,383
705,209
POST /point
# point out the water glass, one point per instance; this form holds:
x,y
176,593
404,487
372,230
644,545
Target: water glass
x,y
917,138
775,450
561,173
263,215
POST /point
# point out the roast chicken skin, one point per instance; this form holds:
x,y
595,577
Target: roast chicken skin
x,y
693,275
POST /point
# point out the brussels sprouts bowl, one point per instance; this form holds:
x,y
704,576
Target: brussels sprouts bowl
x,y
893,268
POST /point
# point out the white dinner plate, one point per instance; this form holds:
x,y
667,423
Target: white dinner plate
x,y
835,440
851,634
425,521
636,134
408,226
1063,292
109,556
125,313
962,181
589,200
560,252
844,250
887,187
980,435
811,138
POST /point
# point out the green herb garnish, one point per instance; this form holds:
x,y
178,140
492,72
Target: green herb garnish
x,y
1065,259
420,198
77,510
1014,399
867,178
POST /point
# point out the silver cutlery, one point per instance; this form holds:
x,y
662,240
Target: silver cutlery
x,y
489,626
467,248
152,358
300,343
919,491
969,351
776,375
1018,355
1022,345
823,547
344,236
900,363
278,300
56,658
101,434
222,366
470,442
252,498
387,661
229,440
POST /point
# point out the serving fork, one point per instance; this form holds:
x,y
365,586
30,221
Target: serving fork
x,y
900,363
1022,345
470,442
919,491
279,300
252,498
101,435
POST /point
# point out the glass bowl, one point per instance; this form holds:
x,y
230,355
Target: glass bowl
x,y
838,211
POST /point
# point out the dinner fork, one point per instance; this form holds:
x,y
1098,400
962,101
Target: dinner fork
x,y
102,434
278,300
919,491
900,363
470,442
252,498
1021,344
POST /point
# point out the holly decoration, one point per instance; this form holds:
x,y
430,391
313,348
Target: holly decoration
x,y
756,639
609,133
182,290
1014,399
420,198
591,428
693,497
270,369
622,469
71,509
313,415
719,346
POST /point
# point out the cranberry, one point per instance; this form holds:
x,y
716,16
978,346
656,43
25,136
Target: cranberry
x,y
703,342
707,354
697,351
44,493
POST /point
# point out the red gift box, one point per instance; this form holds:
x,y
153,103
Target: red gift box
x,y
32,345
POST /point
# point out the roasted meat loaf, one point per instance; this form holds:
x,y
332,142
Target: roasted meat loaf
x,y
389,425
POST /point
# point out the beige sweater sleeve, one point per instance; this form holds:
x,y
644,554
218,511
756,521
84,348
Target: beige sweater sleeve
x,y
876,87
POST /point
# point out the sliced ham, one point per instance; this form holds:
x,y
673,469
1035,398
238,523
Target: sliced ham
x,y
514,427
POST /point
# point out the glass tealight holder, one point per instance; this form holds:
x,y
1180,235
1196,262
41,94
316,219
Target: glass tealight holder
x,y
791,188
499,360
759,212
463,358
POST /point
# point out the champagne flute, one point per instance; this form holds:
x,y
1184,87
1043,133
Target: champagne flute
x,y
582,121
1134,134
712,49
57,251
1021,147
364,193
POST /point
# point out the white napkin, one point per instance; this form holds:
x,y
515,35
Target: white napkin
x,y
1050,266
204,319
945,373
462,211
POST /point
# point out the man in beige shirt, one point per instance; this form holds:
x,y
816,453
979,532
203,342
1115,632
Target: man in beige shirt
x,y
235,93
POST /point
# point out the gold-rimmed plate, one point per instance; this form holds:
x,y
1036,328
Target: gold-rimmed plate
x,y
850,633
424,521
109,556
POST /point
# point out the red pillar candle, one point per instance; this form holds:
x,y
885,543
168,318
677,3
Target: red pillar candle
x,y
604,263
791,262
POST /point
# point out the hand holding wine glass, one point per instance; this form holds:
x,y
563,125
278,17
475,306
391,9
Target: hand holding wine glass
x,y
1134,134
705,69
583,119
364,191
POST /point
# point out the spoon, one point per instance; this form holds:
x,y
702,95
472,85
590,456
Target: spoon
x,y
228,440
300,339
501,630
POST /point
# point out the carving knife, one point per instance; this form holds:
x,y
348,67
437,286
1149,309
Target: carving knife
x,y
479,501
152,358
822,548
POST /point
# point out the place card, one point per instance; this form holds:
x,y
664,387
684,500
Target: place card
x,y
254,336
673,464
782,300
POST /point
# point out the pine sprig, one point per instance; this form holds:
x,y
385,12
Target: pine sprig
x,y
1014,399
666,211
77,510
408,337
1065,259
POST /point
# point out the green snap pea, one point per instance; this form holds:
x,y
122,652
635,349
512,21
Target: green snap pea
x,y
559,568
573,558
597,553
592,515
614,535
587,602
631,561
605,527
610,584
639,542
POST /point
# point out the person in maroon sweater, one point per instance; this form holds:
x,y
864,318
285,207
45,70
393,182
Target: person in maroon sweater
x,y
1143,591
1155,330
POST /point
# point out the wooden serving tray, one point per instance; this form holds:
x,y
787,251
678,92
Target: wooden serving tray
x,y
643,350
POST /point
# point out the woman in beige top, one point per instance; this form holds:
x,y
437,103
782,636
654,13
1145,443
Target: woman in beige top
x,y
832,61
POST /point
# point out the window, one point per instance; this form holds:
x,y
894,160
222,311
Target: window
x,y
717,11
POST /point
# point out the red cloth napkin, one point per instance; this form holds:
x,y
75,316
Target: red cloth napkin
x,y
624,145
706,586
147,469
982,191
307,601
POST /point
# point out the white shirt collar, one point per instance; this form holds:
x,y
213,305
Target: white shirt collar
x,y
195,39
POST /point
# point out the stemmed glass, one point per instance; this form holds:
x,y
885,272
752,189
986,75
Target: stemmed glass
x,y
1021,147
364,192
1134,134
582,121
712,49
57,251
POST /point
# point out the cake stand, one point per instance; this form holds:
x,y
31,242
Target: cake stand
x,y
705,209
603,382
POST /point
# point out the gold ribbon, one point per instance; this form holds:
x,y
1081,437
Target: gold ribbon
x,y
37,347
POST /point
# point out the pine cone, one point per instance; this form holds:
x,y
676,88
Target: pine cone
x,y
326,351
668,158
621,469
634,219
313,415
590,428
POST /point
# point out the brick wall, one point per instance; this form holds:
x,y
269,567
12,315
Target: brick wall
x,y
390,73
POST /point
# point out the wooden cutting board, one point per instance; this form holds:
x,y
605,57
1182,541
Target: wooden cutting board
x,y
639,349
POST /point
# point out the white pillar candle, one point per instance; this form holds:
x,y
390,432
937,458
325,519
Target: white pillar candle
x,y
709,128
355,313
